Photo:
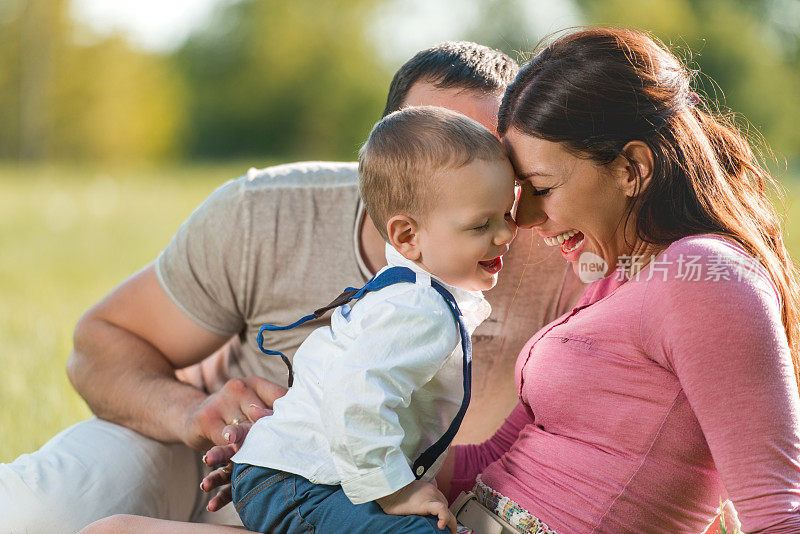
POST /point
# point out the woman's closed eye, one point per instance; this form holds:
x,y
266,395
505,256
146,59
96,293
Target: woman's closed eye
x,y
481,228
528,188
540,192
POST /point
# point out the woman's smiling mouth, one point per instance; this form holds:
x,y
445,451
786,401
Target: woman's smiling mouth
x,y
569,240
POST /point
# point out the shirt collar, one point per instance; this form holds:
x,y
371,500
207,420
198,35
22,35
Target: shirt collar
x,y
474,308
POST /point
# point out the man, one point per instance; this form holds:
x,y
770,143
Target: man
x,y
264,248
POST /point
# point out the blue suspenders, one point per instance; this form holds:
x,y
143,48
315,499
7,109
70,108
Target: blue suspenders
x,y
386,278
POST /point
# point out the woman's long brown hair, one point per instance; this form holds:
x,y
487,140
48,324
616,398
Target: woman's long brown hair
x,y
596,89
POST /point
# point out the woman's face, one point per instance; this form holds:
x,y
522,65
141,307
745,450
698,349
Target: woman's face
x,y
571,202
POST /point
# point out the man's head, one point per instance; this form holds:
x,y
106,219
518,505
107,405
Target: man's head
x,y
439,188
462,76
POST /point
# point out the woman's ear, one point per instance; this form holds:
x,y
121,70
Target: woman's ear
x,y
402,231
635,168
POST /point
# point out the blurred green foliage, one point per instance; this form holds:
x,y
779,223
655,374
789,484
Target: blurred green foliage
x,y
305,80
288,79
63,99
748,58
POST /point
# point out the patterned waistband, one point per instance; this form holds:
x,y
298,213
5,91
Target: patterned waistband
x,y
512,512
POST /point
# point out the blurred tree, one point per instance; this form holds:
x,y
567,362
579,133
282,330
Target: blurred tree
x,y
113,102
283,80
516,26
749,62
65,99
24,77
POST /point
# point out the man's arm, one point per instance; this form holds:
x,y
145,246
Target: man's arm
x,y
126,350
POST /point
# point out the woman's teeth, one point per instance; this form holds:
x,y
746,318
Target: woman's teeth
x,y
560,238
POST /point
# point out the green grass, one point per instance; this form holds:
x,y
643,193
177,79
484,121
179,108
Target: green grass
x,y
68,236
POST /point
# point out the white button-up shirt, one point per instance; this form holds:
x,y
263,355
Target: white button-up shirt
x,y
372,391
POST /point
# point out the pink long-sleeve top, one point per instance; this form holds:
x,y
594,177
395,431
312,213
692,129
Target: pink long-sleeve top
x,y
653,399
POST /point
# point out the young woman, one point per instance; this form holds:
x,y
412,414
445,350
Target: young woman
x,y
673,382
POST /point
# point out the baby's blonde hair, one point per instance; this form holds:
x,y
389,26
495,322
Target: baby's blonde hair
x,y
407,149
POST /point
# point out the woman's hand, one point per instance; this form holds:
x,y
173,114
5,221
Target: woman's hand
x,y
420,498
220,455
221,476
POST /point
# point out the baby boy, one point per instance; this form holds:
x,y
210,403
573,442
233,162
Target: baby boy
x,y
378,396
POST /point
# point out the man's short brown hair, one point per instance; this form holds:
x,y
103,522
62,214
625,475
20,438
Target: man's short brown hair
x,y
405,151
456,64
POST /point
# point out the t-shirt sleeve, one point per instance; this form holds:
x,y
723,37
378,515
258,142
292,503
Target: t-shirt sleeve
x,y
724,340
203,268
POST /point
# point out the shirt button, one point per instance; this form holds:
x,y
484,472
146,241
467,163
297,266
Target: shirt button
x,y
420,471
564,339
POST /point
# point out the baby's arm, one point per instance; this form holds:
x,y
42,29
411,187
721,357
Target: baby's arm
x,y
399,345
420,498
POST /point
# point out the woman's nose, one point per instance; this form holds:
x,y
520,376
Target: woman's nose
x,y
529,212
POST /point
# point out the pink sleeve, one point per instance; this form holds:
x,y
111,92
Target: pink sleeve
x,y
472,459
725,342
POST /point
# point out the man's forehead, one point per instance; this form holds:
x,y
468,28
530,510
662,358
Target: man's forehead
x,y
473,103
427,94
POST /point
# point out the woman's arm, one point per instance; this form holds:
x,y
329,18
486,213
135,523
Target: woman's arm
x,y
725,342
465,462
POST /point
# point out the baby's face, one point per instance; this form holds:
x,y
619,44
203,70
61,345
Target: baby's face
x,y
470,225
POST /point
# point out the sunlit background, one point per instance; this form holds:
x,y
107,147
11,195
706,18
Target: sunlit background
x,y
117,117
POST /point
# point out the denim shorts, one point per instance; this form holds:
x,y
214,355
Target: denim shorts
x,y
276,501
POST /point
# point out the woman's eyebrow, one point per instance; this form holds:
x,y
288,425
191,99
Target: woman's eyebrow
x,y
530,174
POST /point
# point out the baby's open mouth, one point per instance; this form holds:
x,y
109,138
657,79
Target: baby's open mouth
x,y
493,266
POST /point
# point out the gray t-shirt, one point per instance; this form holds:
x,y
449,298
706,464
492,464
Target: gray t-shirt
x,y
268,247
278,243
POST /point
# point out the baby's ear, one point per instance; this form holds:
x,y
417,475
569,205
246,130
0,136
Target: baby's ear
x,y
402,232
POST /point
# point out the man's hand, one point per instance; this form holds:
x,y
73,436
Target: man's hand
x,y
127,349
420,498
209,423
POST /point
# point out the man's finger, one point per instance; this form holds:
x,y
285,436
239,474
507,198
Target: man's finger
x,y
255,412
244,395
267,391
220,499
234,434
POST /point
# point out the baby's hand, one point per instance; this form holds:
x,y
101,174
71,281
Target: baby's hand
x,y
421,498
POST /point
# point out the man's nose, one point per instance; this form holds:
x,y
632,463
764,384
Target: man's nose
x,y
529,212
